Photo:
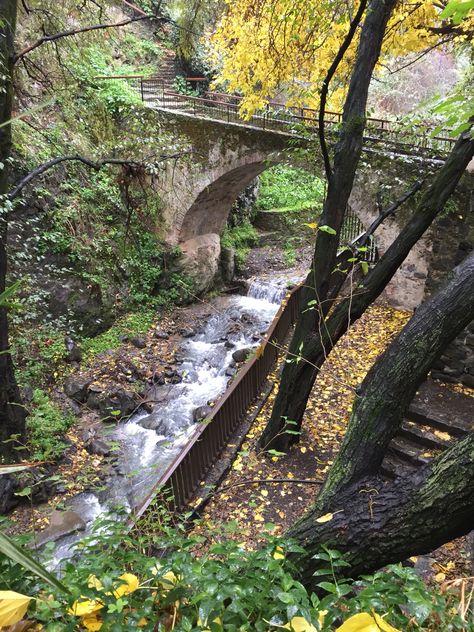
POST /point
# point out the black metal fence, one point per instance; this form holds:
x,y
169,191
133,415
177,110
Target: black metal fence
x,y
279,117
184,475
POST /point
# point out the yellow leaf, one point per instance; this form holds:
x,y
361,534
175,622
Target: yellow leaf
x,y
361,622
321,616
259,351
142,623
130,584
13,606
91,622
311,225
93,582
440,577
300,624
264,492
383,625
278,555
326,518
168,581
88,606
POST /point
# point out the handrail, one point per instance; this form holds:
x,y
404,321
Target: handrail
x,y
279,118
209,439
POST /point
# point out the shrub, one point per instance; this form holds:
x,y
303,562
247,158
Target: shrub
x,y
46,426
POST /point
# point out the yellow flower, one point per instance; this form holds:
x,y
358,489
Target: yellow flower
x,y
93,582
364,622
91,622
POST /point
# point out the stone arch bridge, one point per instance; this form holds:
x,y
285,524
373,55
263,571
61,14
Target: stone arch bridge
x,y
197,193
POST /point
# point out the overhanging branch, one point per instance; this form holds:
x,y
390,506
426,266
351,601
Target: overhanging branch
x,y
89,163
325,89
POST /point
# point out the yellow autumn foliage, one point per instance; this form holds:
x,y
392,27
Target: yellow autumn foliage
x,y
269,49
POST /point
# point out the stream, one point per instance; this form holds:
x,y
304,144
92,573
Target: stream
x,y
149,442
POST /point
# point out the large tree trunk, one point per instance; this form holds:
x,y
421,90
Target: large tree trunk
x,y
374,522
346,158
12,413
391,383
293,395
378,523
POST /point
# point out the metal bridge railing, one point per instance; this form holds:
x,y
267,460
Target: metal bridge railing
x,y
279,117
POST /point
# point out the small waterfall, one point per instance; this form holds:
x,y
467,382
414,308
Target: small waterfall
x,y
271,291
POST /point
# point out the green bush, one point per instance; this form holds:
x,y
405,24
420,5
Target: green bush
x,y
46,426
116,584
289,188
240,238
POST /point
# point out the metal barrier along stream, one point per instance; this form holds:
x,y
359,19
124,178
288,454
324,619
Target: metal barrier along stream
x,y
210,438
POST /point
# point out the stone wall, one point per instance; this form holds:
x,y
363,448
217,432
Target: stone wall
x,y
452,241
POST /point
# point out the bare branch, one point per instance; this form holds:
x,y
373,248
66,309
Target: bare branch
x,y
89,163
330,74
85,29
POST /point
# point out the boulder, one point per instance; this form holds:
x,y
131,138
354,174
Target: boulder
x,y
98,446
200,260
201,412
76,387
161,335
61,523
241,354
138,342
73,352
117,404
8,487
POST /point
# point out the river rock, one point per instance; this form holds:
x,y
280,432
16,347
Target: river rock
x,y
230,372
241,354
201,412
161,335
187,333
61,523
98,446
76,387
154,422
229,345
200,260
73,352
118,403
138,342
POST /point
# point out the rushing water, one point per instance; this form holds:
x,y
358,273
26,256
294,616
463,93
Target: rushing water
x,y
150,441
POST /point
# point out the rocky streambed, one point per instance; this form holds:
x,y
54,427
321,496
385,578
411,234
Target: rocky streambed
x,y
139,449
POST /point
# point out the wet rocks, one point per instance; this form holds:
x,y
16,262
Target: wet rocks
x,y
77,388
61,523
241,354
73,352
187,333
161,335
117,404
201,412
8,487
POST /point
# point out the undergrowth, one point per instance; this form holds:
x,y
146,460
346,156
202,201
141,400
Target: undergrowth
x,y
240,238
289,189
212,583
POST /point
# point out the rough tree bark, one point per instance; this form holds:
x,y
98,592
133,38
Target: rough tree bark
x,y
292,397
341,179
12,413
381,522
385,523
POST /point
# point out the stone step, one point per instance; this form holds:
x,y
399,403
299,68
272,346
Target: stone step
x,y
421,436
393,465
408,451
453,427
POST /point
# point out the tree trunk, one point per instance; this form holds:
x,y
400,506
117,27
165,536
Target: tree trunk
x,y
298,380
378,523
391,383
346,158
12,413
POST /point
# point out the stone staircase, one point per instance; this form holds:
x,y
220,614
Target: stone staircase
x,y
168,69
436,418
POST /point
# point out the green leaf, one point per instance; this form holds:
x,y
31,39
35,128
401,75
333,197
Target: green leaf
x,y
364,266
328,229
16,554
